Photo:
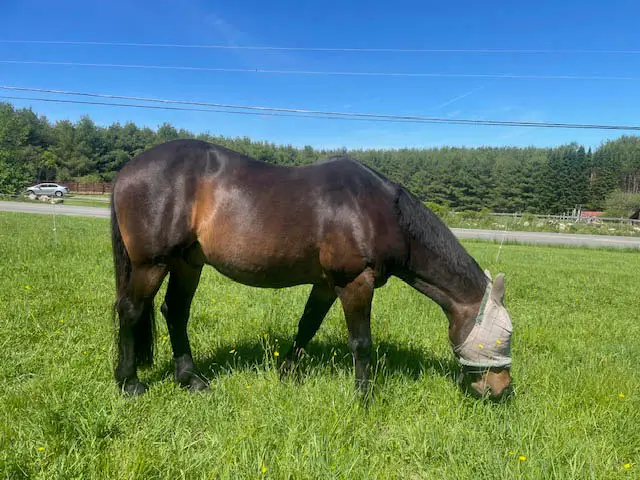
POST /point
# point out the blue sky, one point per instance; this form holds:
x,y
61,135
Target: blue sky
x,y
548,25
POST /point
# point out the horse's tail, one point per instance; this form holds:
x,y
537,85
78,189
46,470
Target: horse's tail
x,y
142,323
121,260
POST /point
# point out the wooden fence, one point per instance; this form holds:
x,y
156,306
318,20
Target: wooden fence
x,y
93,187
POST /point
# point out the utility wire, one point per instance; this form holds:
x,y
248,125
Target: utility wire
x,y
325,114
193,109
325,49
323,73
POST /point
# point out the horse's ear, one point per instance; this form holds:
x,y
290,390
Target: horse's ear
x,y
498,289
488,274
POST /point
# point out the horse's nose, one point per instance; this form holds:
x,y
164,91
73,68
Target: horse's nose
x,y
491,385
495,393
498,392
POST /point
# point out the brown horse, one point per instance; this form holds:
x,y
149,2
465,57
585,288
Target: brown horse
x,y
337,225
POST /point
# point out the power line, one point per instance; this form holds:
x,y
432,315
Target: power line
x,y
325,114
209,110
324,73
326,49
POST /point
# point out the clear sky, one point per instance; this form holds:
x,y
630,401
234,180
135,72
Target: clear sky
x,y
538,25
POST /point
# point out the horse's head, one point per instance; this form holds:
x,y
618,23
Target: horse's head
x,y
485,353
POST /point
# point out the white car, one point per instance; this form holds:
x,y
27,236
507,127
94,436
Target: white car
x,y
51,189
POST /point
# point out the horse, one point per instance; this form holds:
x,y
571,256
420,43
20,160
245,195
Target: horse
x,y
337,225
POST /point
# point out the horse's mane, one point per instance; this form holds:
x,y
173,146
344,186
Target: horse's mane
x,y
431,232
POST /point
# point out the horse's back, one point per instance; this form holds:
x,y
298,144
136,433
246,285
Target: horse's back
x,y
259,223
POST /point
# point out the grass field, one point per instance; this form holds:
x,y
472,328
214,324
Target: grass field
x,y
575,412
87,200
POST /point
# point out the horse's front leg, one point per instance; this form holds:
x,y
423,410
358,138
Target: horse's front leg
x,y
319,303
356,300
183,281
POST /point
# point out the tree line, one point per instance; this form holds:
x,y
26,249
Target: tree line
x,y
502,179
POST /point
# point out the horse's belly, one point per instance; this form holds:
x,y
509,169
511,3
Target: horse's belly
x,y
264,263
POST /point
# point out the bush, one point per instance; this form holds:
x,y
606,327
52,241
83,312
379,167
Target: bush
x,y
91,178
473,215
440,210
621,204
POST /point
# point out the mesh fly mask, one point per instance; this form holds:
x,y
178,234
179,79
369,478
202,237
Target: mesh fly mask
x,y
489,342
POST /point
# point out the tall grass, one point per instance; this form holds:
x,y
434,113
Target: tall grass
x,y
575,412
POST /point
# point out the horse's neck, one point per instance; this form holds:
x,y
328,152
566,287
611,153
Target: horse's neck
x,y
456,284
437,264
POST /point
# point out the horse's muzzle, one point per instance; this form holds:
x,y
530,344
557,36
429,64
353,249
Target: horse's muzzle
x,y
493,383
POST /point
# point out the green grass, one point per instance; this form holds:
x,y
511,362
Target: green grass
x,y
545,225
575,412
87,200
532,224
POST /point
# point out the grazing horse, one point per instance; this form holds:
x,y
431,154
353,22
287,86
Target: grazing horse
x,y
337,225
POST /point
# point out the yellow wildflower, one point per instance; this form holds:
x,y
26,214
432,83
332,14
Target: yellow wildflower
x,y
621,395
522,458
27,287
264,469
41,449
276,354
627,466
480,346
233,350
498,342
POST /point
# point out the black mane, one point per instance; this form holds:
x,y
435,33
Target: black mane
x,y
431,232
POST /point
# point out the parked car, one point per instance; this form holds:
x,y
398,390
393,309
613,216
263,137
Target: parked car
x,y
50,189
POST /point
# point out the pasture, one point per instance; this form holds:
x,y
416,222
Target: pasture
x,y
575,411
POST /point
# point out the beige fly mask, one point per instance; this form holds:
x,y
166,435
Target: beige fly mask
x,y
489,342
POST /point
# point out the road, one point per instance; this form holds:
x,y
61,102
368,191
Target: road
x,y
47,208
548,238
539,238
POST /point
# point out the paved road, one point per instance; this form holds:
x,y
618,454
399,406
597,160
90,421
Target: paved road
x,y
59,209
548,238
464,233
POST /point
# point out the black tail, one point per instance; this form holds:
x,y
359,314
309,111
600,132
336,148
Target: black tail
x,y
142,324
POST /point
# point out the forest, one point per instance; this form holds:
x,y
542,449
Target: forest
x,y
504,179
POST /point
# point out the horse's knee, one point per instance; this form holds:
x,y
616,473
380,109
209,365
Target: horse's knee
x,y
361,347
129,310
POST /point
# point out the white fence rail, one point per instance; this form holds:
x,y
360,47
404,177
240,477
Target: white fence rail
x,y
570,218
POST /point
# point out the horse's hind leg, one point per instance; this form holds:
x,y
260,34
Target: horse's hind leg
x,y
320,300
135,334
356,300
183,281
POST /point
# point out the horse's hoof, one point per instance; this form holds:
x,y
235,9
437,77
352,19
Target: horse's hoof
x,y
196,384
364,391
134,388
192,382
287,369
